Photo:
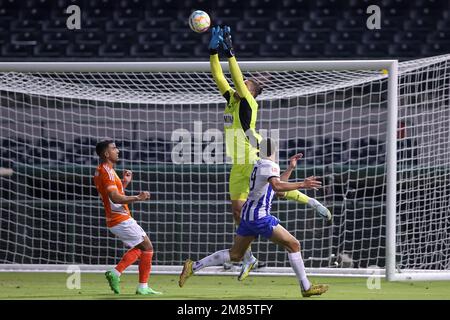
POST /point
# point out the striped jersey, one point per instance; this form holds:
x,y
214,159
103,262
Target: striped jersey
x,y
260,197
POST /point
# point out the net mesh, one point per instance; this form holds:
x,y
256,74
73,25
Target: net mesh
x,y
51,212
423,198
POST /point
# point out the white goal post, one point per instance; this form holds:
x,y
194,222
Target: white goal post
x,y
343,115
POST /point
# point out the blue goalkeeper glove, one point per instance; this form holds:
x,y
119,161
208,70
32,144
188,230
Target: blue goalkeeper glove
x,y
216,40
227,44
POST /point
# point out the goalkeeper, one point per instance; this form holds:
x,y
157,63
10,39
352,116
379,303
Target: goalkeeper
x,y
242,140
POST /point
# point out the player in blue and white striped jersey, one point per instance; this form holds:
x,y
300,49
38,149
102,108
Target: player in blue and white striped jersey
x,y
261,192
256,220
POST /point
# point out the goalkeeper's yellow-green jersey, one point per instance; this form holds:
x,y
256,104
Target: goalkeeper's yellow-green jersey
x,y
240,118
241,138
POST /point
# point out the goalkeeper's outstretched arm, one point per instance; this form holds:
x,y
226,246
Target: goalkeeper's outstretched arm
x,y
216,68
217,73
247,115
238,79
235,70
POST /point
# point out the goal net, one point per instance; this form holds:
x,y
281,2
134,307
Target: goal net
x,y
167,120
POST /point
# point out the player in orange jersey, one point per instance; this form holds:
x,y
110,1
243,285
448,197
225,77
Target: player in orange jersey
x,y
119,220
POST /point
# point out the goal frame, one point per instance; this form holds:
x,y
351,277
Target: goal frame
x,y
390,272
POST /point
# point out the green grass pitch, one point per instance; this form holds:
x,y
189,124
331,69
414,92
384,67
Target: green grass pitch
x,y
94,286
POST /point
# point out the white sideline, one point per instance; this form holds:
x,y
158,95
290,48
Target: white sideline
x,y
404,275
175,270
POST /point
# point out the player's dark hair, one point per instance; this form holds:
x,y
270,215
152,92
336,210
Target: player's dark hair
x,y
258,87
101,146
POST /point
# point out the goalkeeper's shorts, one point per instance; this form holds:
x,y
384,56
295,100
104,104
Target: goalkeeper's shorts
x,y
129,232
239,183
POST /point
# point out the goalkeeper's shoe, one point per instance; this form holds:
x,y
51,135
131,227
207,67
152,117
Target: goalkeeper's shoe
x,y
186,273
246,268
147,291
314,290
114,281
321,210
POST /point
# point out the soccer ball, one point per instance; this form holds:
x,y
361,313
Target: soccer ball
x,y
199,21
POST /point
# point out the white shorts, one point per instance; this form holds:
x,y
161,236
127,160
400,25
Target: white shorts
x,y
129,232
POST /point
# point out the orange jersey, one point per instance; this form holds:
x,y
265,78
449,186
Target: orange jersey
x,y
106,179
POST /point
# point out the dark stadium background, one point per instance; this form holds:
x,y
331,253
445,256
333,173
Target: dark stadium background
x,y
262,29
157,30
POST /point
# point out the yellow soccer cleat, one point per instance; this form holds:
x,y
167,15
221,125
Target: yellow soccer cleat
x,y
186,273
246,268
314,290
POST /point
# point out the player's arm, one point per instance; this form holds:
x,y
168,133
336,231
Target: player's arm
x,y
292,164
235,70
238,79
118,198
216,68
281,186
107,183
217,73
127,176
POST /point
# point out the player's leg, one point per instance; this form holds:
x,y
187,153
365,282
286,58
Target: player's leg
x,y
236,207
302,198
245,230
113,275
145,267
283,238
235,254
239,189
249,258
133,236
218,258
240,247
123,232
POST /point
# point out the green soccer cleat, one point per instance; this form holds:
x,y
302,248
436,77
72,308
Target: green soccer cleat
x,y
147,291
186,273
314,290
246,268
114,281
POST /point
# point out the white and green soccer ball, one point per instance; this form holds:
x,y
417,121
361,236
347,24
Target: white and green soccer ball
x,y
199,21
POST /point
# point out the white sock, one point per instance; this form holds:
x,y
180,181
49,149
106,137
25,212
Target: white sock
x,y
216,259
117,273
297,264
248,257
143,285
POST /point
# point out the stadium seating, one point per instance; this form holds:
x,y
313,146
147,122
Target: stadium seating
x,y
138,29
